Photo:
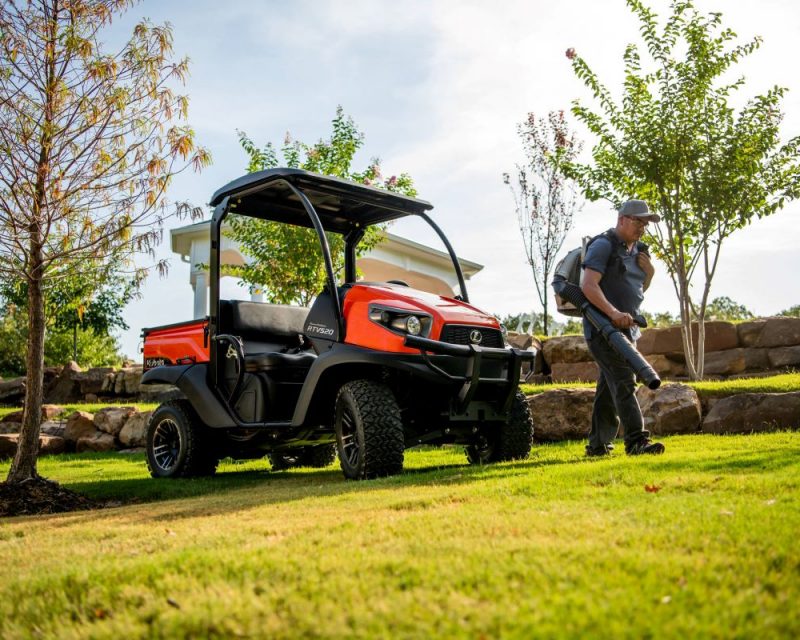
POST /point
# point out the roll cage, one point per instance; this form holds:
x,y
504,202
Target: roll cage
x,y
324,203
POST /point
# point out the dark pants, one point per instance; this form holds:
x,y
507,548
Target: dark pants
x,y
615,399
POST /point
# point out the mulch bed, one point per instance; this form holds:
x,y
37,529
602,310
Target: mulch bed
x,y
40,496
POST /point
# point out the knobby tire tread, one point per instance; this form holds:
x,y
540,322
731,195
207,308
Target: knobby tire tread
x,y
514,437
200,459
379,415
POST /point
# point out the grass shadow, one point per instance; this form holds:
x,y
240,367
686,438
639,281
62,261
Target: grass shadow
x,y
119,480
744,462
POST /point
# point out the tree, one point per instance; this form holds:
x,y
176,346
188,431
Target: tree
x,y
89,142
286,261
93,305
88,347
659,319
545,200
675,141
91,298
723,308
13,337
791,312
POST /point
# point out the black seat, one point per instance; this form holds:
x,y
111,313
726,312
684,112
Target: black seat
x,y
261,322
271,334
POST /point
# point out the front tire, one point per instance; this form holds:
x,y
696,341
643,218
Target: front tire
x,y
178,445
369,431
511,441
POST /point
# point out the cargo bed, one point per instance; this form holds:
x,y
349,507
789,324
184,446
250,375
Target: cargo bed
x,y
173,344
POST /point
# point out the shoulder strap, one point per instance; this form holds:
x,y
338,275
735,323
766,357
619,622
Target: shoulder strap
x,y
609,235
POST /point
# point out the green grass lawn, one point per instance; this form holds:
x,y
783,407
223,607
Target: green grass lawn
x,y
557,545
771,384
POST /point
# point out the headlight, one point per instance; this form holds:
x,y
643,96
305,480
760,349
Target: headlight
x,y
401,321
413,325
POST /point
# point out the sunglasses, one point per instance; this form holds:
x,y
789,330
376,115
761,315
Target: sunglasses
x,y
640,221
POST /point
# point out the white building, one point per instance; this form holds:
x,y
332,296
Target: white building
x,y
395,258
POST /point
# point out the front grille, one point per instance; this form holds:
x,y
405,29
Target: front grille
x,y
459,334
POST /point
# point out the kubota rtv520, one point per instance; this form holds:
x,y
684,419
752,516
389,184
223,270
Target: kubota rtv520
x,y
370,369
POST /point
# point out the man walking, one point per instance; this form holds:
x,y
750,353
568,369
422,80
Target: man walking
x,y
617,272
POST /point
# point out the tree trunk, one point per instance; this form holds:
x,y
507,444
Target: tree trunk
x,y
24,465
544,320
701,347
686,330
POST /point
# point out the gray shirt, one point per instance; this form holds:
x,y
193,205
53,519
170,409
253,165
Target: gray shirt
x,y
623,280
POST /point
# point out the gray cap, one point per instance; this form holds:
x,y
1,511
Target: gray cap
x,y
637,209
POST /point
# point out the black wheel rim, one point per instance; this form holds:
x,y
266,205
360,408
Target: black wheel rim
x,y
166,444
350,448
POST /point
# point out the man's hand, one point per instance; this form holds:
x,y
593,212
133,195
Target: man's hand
x,y
591,289
621,320
643,260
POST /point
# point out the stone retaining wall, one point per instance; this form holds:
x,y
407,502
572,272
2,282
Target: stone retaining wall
x,y
110,429
566,414
754,347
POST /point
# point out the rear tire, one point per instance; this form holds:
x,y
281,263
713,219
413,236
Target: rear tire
x,y
511,441
369,431
178,445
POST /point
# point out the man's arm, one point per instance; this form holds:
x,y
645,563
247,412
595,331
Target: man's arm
x,y
591,289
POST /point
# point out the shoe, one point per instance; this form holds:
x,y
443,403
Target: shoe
x,y
605,450
645,446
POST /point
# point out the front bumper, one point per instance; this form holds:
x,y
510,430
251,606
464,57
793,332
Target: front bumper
x,y
474,355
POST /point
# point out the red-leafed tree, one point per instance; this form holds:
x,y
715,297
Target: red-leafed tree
x,y
545,200
89,141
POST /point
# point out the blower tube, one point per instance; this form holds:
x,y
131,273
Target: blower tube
x,y
618,341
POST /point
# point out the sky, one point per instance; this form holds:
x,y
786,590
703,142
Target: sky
x,y
438,88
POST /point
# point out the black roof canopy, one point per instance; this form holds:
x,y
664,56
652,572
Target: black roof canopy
x,y
340,204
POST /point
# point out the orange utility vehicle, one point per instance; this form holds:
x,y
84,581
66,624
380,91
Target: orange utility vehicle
x,y
370,369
